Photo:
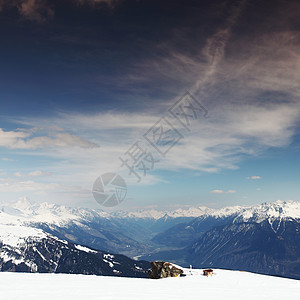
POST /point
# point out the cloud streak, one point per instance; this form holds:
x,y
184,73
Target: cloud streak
x,y
254,177
33,10
219,142
214,49
25,140
222,192
95,3
26,186
37,173
41,10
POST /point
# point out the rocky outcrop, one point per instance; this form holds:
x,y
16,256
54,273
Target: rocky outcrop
x,y
163,269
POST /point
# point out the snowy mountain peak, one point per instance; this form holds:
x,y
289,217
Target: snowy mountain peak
x,y
278,209
26,211
191,212
24,205
140,214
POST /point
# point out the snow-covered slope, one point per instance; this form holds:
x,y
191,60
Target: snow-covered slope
x,y
14,240
14,235
94,228
26,249
224,284
26,212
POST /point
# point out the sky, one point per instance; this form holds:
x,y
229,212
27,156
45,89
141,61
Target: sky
x,y
190,102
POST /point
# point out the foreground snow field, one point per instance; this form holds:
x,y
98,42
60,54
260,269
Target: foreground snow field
x,y
223,285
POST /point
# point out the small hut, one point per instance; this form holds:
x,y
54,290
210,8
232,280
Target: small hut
x,y
208,272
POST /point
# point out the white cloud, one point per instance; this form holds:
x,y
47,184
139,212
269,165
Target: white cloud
x,y
18,174
222,192
37,173
254,177
217,192
25,140
6,159
218,142
26,186
231,191
229,85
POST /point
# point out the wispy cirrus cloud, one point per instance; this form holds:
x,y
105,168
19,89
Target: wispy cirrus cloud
x,y
37,173
227,69
249,84
26,186
94,3
215,47
6,159
218,142
42,10
26,139
33,10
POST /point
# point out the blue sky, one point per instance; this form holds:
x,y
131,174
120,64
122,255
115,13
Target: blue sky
x,y
83,81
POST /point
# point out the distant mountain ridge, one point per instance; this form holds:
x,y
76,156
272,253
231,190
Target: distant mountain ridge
x,y
59,213
262,238
118,232
88,227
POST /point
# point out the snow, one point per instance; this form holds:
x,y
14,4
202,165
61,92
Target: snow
x,y
7,258
109,263
138,268
25,212
271,211
85,249
257,213
191,212
108,256
14,235
140,214
223,285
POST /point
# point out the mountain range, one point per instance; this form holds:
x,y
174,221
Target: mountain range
x,y
263,238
